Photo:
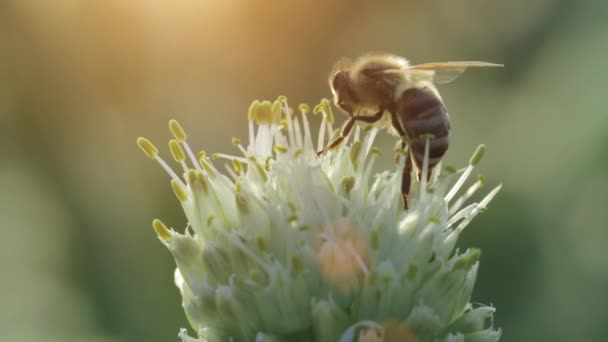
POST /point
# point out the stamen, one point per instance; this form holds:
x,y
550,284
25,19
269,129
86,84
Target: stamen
x,y
167,169
178,153
252,113
328,111
177,131
354,154
470,191
290,130
461,214
180,135
369,141
477,155
484,202
232,175
458,183
279,149
251,136
477,208
149,149
191,156
277,109
161,230
304,110
181,192
264,114
348,183
368,168
425,170
229,157
321,136
237,166
329,114
298,133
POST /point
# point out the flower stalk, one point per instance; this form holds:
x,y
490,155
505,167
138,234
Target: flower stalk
x,y
284,246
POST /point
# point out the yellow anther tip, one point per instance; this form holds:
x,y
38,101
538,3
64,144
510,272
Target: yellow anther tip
x,y
477,155
317,109
191,176
348,183
279,149
325,107
264,114
277,110
304,108
237,166
253,108
149,149
161,230
177,151
177,131
180,191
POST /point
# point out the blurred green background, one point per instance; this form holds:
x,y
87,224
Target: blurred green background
x,y
81,80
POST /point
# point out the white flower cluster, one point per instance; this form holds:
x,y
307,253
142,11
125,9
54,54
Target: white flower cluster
x,y
287,246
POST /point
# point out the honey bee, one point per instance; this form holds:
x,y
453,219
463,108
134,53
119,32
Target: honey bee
x,y
376,84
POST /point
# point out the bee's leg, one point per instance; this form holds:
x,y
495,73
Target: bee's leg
x,y
345,131
400,150
348,127
402,134
406,181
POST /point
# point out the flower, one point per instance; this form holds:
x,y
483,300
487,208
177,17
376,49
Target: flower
x,y
287,246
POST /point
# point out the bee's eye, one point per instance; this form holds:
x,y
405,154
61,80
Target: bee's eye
x,y
340,80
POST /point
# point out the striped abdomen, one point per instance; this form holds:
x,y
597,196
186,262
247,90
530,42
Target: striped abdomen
x,y
423,116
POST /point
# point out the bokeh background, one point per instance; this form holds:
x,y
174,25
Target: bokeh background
x,y
81,80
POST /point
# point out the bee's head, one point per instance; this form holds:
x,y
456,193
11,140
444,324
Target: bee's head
x,y
344,95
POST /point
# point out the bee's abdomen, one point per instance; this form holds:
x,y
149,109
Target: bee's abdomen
x,y
423,116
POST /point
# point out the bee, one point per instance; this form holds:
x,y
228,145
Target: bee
x,y
378,84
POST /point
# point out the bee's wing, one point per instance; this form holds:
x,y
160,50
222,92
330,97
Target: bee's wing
x,y
446,72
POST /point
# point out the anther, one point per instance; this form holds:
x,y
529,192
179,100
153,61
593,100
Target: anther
x,y
177,151
161,230
177,131
253,109
180,191
304,108
478,154
264,113
149,149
